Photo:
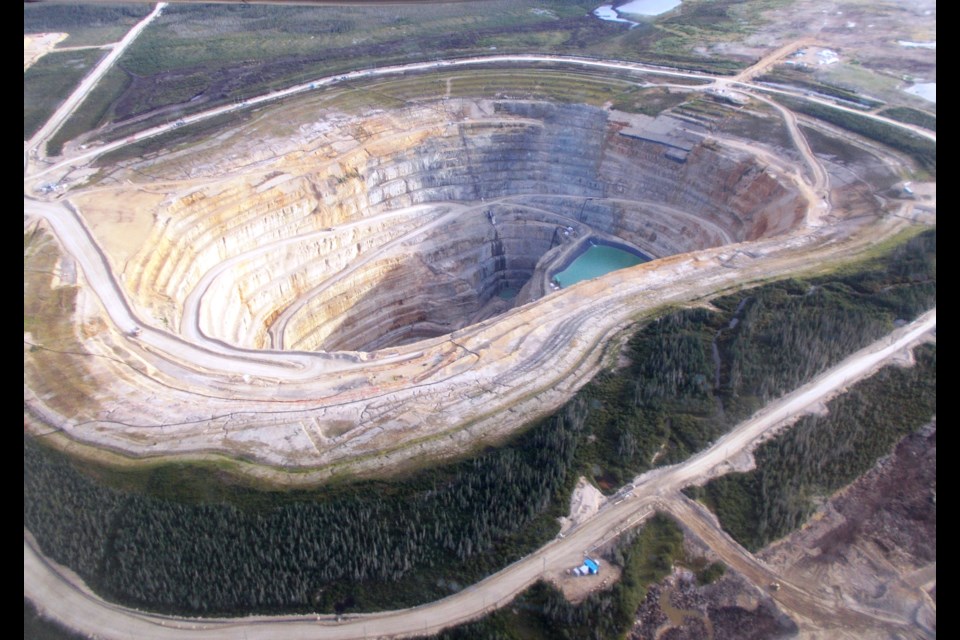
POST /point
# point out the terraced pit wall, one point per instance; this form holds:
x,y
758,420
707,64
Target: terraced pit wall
x,y
403,226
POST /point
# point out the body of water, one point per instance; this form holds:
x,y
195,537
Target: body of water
x,y
918,45
926,90
634,8
596,261
648,7
606,12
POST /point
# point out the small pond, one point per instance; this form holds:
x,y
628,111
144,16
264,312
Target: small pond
x,y
648,7
595,262
926,90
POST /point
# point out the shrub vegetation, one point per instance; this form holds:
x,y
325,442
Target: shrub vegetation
x,y
184,539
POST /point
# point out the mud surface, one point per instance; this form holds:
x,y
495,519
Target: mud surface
x,y
729,609
874,545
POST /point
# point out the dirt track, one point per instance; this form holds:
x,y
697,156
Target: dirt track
x,y
70,105
812,611
525,348
536,356
61,595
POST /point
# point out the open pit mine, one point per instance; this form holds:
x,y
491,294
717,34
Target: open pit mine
x,y
333,292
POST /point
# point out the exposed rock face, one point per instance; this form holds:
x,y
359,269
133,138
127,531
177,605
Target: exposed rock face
x,y
371,254
412,225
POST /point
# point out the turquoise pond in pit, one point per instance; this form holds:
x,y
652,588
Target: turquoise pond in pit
x,y
596,261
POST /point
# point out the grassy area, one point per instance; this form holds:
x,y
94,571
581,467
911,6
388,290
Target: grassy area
x,y
232,34
922,150
250,49
87,24
861,79
47,84
535,82
198,56
822,454
806,79
912,116
697,25
172,140
95,110
541,612
650,102
543,82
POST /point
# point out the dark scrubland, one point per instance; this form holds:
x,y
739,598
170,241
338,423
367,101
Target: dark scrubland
x,y
894,506
726,604
197,56
822,454
805,79
192,539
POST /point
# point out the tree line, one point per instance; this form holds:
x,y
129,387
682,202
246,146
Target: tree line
x,y
313,553
370,545
821,454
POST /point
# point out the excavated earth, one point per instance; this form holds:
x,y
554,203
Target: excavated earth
x,y
318,288
677,608
874,543
414,232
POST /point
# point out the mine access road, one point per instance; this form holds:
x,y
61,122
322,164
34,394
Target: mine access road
x,y
62,596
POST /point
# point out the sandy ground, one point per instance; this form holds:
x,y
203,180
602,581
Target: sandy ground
x,y
584,504
577,588
122,224
857,30
37,45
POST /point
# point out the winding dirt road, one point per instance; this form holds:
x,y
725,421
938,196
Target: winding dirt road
x,y
709,80
63,596
528,353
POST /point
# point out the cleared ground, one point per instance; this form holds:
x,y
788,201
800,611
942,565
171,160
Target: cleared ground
x,y
78,608
371,385
373,412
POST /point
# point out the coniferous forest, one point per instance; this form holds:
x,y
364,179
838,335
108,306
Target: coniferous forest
x,y
647,556
696,373
822,454
313,551
190,540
